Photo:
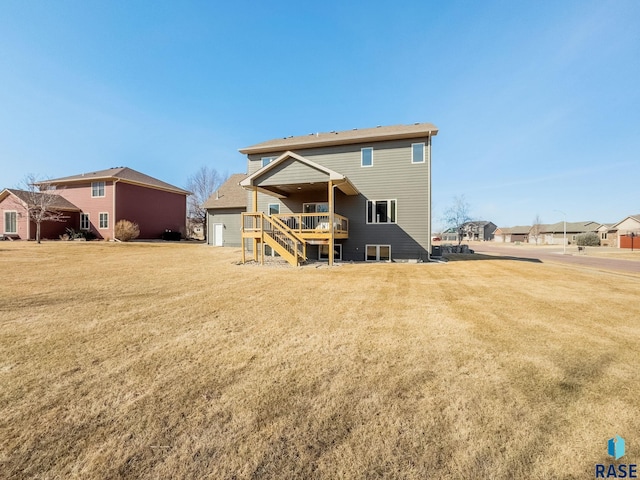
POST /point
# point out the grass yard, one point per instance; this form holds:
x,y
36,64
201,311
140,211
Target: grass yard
x,y
171,361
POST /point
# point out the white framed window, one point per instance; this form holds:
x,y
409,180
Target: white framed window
x,y
84,221
320,207
267,160
10,221
323,252
418,153
273,208
378,253
97,189
382,211
366,157
104,220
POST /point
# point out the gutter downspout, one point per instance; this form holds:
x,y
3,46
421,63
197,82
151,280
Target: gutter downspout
x,y
429,198
113,223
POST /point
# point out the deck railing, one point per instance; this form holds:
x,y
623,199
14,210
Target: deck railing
x,y
301,223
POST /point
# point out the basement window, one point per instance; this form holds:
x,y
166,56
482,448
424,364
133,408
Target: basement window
x,y
378,253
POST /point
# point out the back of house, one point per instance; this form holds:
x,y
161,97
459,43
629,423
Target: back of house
x,y
374,183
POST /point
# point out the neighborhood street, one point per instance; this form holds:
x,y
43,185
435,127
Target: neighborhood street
x,y
555,254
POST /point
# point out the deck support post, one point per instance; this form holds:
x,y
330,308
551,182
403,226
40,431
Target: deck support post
x,y
331,226
254,207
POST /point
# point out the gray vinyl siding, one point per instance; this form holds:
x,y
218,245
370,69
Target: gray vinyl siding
x,y
392,177
292,171
231,219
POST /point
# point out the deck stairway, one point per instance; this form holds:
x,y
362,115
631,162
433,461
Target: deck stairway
x,y
289,234
276,234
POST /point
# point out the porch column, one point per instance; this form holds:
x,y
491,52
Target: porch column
x,y
254,210
331,232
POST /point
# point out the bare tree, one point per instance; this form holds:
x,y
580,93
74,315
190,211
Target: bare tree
x,y
42,199
202,184
536,229
457,215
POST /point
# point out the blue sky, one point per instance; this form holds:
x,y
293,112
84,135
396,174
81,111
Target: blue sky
x,y
538,103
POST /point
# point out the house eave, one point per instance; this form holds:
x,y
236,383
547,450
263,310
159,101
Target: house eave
x,y
313,141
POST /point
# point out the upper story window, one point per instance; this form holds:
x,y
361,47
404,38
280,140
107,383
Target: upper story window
x,y
97,189
382,211
267,160
366,157
417,153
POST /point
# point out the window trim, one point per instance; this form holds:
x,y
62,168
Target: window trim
x,y
315,209
269,205
262,160
393,218
15,215
95,185
424,153
100,220
362,157
85,215
377,245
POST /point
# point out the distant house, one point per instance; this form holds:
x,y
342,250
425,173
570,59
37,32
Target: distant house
x,y
479,230
608,235
224,209
97,200
16,221
554,234
361,194
512,234
476,230
628,232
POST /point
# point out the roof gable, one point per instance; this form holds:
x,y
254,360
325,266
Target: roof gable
x,y
339,180
125,174
58,203
229,195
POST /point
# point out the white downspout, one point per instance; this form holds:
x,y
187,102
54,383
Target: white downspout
x,y
113,222
430,206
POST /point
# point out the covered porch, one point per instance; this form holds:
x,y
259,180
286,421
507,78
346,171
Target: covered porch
x,y
303,209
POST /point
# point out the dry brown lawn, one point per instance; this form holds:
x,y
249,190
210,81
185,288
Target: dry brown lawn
x,y
171,361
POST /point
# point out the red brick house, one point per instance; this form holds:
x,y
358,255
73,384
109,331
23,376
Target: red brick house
x,y
103,198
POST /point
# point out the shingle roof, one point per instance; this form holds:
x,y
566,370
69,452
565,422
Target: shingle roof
x,y
573,227
518,230
229,195
344,137
59,202
126,174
